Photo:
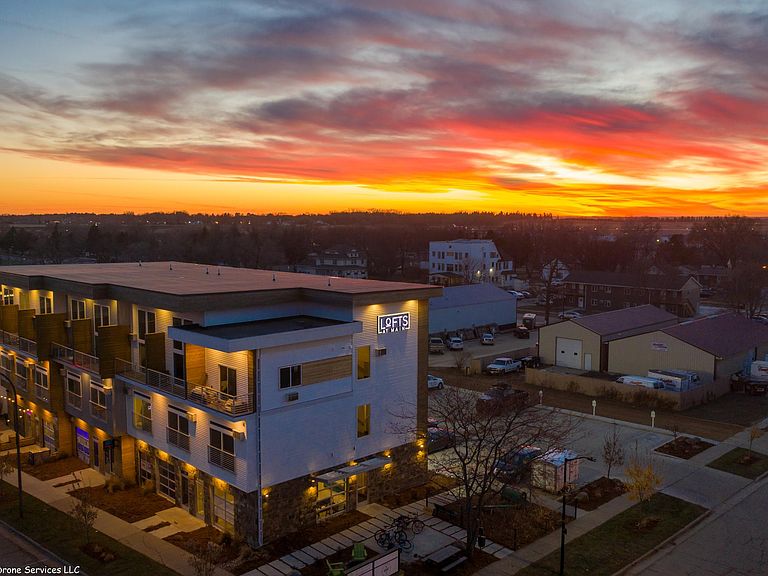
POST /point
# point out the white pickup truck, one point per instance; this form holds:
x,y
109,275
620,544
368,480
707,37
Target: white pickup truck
x,y
503,365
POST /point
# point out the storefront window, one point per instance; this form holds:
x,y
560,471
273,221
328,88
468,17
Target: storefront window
x,y
331,498
224,508
166,479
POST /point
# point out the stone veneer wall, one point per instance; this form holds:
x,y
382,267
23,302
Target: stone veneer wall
x,y
408,469
288,507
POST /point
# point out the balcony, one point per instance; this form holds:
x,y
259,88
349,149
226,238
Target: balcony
x,y
99,411
17,343
75,358
178,439
232,405
222,459
42,393
74,400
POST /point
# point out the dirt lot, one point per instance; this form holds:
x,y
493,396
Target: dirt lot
x,y
129,504
718,420
53,468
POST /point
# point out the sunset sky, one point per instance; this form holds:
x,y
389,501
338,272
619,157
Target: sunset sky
x,y
652,107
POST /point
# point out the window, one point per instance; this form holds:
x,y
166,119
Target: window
x,y
49,435
363,420
594,301
221,450
77,309
381,352
74,391
608,289
6,363
223,508
166,479
147,323
290,376
46,305
178,429
100,315
627,291
228,380
7,296
363,362
142,412
146,472
21,374
41,384
98,402
331,498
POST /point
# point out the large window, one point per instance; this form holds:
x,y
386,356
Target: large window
x,y
147,323
363,420
179,359
290,376
41,384
221,450
363,362
74,391
98,402
166,479
146,472
46,305
7,296
331,498
21,374
49,435
178,429
223,508
77,309
100,316
142,412
6,363
228,380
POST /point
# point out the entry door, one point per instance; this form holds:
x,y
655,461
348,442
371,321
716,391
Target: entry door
x,y
83,448
581,302
200,498
362,488
587,361
185,487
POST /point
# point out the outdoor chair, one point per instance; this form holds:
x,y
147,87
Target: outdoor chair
x,y
335,568
359,553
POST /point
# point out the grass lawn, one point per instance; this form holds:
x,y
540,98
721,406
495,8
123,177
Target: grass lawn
x,y
737,461
57,531
620,540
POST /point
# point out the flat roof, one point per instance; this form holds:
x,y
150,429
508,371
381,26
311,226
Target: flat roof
x,y
185,279
616,322
261,327
724,335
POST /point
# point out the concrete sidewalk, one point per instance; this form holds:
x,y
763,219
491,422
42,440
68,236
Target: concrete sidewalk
x,y
127,534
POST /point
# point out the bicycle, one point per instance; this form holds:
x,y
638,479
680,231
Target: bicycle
x,y
409,522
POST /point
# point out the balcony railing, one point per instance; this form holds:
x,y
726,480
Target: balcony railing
x,y
75,358
222,459
233,405
21,382
42,393
142,422
74,400
99,411
178,439
23,345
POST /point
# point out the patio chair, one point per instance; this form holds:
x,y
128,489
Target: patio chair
x,y
359,553
335,568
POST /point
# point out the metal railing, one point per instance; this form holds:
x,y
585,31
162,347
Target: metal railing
x,y
21,382
42,393
75,357
178,439
222,459
74,400
23,345
99,411
142,422
234,405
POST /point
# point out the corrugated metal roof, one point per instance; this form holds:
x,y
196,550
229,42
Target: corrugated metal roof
x,y
659,281
468,294
628,319
722,336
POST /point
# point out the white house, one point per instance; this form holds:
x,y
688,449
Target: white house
x,y
468,261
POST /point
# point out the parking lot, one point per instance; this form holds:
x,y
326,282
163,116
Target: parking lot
x,y
504,345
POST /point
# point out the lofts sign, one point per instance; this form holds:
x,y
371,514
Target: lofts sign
x,y
399,322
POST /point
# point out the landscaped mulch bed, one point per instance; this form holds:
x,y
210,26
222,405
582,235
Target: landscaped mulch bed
x,y
742,462
684,447
597,492
129,504
437,484
238,557
54,468
511,526
624,538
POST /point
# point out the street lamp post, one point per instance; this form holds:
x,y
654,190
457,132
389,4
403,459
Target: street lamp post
x,y
18,441
563,530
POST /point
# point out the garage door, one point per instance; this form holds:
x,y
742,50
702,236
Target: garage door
x,y
568,353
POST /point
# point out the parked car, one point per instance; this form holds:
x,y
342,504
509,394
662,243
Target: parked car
x,y
521,332
438,436
542,300
455,343
504,365
434,382
515,466
762,318
641,381
570,315
501,396
436,346
487,339
525,293
516,294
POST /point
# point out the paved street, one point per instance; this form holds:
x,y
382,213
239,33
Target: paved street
x,y
16,552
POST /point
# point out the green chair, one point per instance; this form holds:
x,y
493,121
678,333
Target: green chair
x,y
335,568
359,553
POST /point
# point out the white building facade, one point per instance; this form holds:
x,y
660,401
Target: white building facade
x,y
467,262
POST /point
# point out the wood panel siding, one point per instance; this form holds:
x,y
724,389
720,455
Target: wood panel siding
x,y
82,335
10,318
113,342
155,349
195,359
327,369
422,355
49,328
27,323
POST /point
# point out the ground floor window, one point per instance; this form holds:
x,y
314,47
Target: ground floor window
x,y
145,469
166,479
223,508
49,435
83,445
331,498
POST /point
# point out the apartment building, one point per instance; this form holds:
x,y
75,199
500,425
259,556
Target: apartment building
x,y
338,261
259,401
468,261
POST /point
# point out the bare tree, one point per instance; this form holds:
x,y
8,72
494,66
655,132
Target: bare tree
x,y
6,467
485,436
754,434
83,510
462,359
613,451
204,558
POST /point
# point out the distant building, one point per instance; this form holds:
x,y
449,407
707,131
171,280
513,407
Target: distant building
x,y
471,306
467,262
602,291
341,262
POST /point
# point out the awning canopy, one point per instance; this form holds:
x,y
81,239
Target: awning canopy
x,y
359,468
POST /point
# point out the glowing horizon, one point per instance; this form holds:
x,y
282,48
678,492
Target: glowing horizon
x,y
434,106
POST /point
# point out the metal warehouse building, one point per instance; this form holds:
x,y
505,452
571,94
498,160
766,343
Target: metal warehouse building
x,y
469,306
715,347
584,343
